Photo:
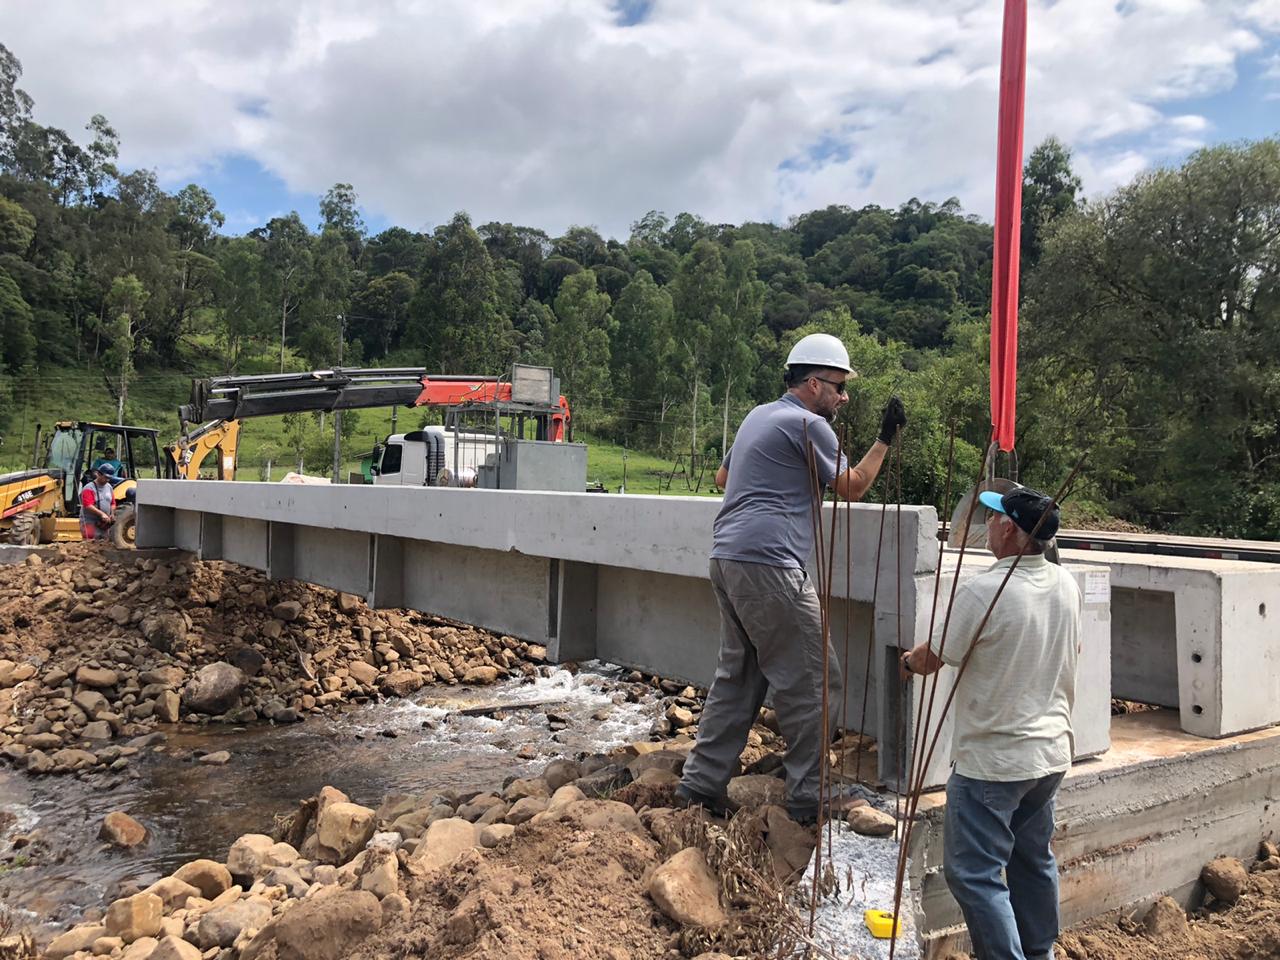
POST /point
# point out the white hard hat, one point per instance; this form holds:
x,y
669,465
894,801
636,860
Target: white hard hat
x,y
820,350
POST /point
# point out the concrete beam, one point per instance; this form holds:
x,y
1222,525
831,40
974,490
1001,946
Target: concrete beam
x,y
1198,635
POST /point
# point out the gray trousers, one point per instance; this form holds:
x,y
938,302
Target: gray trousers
x,y
770,639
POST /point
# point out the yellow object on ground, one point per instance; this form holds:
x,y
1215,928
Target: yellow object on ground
x,y
881,924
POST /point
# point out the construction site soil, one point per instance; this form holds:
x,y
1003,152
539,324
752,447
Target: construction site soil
x,y
105,657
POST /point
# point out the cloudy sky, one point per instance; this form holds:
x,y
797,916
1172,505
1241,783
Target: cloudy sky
x,y
555,112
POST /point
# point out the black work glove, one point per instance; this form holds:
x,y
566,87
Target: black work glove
x,y
895,418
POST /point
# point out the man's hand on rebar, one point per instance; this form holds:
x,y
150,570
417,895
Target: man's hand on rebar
x,y
893,419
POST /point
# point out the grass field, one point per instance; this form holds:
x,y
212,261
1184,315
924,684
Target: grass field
x,y
78,394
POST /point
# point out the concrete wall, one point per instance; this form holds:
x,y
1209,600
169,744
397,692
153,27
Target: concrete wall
x,y
621,578
1199,635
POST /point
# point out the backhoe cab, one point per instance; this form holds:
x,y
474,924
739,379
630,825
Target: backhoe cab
x,y
42,504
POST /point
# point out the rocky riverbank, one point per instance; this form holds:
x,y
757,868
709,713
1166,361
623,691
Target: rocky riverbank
x,y
98,650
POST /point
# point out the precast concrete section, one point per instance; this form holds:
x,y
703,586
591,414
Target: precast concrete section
x,y
622,578
1198,635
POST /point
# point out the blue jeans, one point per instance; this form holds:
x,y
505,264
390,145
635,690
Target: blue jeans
x,y
993,826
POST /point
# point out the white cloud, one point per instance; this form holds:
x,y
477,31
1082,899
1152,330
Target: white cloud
x,y
550,113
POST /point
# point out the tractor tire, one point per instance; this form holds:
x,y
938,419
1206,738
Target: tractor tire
x,y
24,531
124,530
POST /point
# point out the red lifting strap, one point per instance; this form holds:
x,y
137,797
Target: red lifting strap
x,y
1008,230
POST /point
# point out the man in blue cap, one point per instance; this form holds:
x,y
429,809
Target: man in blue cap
x,y
1013,740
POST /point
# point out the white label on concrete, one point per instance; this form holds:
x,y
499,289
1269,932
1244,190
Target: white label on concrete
x,y
1097,586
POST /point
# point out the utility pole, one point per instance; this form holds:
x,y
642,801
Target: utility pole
x,y
337,414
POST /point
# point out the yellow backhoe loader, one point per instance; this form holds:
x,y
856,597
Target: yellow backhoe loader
x,y
42,504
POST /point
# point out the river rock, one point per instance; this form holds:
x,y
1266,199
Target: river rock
x,y
526,809
96,678
105,946
248,856
175,948
495,833
1164,919
669,760
324,928
348,603
602,815
402,683
531,787
140,949
396,907
132,917
97,730
685,890
444,842
380,874
481,676
73,941
218,758
92,703
288,611
165,631
248,660
871,822
173,892
167,676
207,876
791,844
119,614
121,830
1225,878
220,927
755,790
343,829
561,772
564,796
288,878
69,759
167,707
214,689
362,672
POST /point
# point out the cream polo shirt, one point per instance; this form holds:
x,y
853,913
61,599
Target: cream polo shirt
x,y
1014,700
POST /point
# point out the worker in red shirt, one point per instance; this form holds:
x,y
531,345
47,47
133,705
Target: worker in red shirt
x,y
97,504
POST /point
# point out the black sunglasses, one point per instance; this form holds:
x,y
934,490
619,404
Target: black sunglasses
x,y
840,388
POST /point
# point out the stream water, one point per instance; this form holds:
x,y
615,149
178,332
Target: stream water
x,y
412,747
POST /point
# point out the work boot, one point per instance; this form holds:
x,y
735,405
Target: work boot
x,y
716,806
843,798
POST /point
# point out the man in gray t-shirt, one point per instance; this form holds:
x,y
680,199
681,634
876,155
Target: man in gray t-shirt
x,y
770,619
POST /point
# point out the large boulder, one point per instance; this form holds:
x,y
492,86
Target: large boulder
x,y
343,829
1225,878
402,683
121,830
173,892
165,631
220,927
208,876
444,842
247,859
363,673
214,689
561,772
175,948
755,790
686,891
96,678
323,928
132,917
73,941
603,815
